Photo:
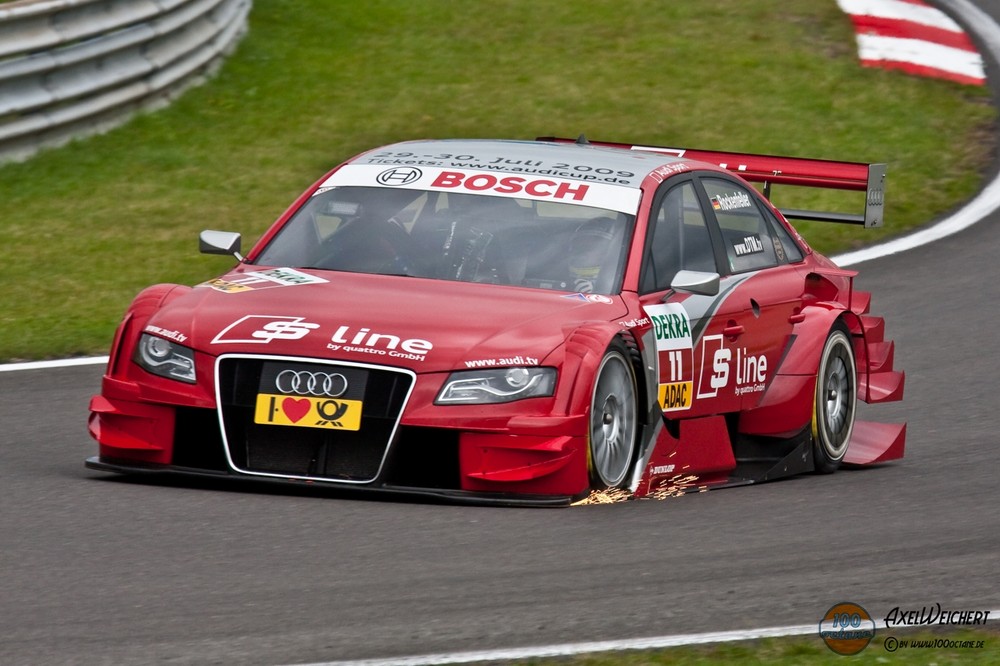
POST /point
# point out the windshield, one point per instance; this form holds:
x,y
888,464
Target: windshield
x,y
449,236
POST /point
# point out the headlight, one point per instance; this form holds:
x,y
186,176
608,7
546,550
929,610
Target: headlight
x,y
492,386
165,358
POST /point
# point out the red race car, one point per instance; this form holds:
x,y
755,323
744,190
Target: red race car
x,y
515,322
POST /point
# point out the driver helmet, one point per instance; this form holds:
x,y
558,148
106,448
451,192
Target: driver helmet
x,y
590,250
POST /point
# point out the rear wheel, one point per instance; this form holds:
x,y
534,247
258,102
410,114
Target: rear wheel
x,y
613,419
836,400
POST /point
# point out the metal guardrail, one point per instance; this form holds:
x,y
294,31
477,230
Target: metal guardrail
x,y
70,68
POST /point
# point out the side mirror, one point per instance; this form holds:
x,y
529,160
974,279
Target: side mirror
x,y
220,242
696,282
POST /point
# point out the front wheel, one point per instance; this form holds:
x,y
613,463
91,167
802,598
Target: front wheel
x,y
836,400
613,419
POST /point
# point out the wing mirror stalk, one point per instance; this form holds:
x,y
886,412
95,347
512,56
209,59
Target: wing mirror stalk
x,y
220,242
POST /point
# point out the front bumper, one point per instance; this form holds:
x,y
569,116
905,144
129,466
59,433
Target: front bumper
x,y
455,452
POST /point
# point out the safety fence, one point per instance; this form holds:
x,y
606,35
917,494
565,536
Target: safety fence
x,y
69,68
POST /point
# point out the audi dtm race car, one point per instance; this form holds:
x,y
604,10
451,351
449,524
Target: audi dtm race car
x,y
516,322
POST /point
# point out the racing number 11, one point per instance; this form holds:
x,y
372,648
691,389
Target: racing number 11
x,y
676,365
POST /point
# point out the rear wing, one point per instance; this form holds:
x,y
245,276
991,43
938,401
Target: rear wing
x,y
771,169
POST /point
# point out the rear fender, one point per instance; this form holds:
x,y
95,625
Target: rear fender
x,y
809,336
787,405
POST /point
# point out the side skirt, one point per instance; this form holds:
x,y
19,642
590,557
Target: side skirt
x,y
760,459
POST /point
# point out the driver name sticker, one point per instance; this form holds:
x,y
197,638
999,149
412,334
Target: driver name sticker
x,y
733,201
674,355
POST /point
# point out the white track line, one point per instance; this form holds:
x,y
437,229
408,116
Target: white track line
x,y
572,649
59,363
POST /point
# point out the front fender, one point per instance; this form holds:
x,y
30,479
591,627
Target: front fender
x,y
146,302
581,356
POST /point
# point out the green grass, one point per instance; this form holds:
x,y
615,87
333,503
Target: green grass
x,y
88,225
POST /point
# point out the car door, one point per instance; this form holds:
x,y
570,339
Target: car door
x,y
743,345
682,235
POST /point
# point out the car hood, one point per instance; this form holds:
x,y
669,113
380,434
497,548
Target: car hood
x,y
425,325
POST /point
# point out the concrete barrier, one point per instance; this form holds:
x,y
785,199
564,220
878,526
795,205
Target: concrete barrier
x,y
70,68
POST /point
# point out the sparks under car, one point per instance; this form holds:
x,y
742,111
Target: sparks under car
x,y
514,322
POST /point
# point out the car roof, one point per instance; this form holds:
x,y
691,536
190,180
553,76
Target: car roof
x,y
564,160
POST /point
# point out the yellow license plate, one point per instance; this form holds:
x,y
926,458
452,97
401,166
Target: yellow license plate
x,y
307,412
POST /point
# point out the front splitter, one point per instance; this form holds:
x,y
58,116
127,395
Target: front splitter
x,y
427,494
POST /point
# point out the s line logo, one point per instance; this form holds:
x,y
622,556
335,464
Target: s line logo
x,y
261,329
717,373
751,369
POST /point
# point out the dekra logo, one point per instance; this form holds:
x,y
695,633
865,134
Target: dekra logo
x,y
670,326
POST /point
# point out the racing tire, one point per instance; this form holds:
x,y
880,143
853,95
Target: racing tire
x,y
835,404
613,419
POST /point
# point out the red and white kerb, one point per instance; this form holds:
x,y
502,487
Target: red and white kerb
x,y
915,37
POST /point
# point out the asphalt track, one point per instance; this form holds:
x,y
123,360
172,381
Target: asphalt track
x,y
102,569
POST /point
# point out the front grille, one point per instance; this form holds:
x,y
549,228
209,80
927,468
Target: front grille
x,y
299,450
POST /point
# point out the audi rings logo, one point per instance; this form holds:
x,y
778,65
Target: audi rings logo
x,y
399,176
318,384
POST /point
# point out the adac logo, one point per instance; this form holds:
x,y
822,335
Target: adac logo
x,y
847,628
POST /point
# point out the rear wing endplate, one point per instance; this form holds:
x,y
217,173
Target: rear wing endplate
x,y
772,169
